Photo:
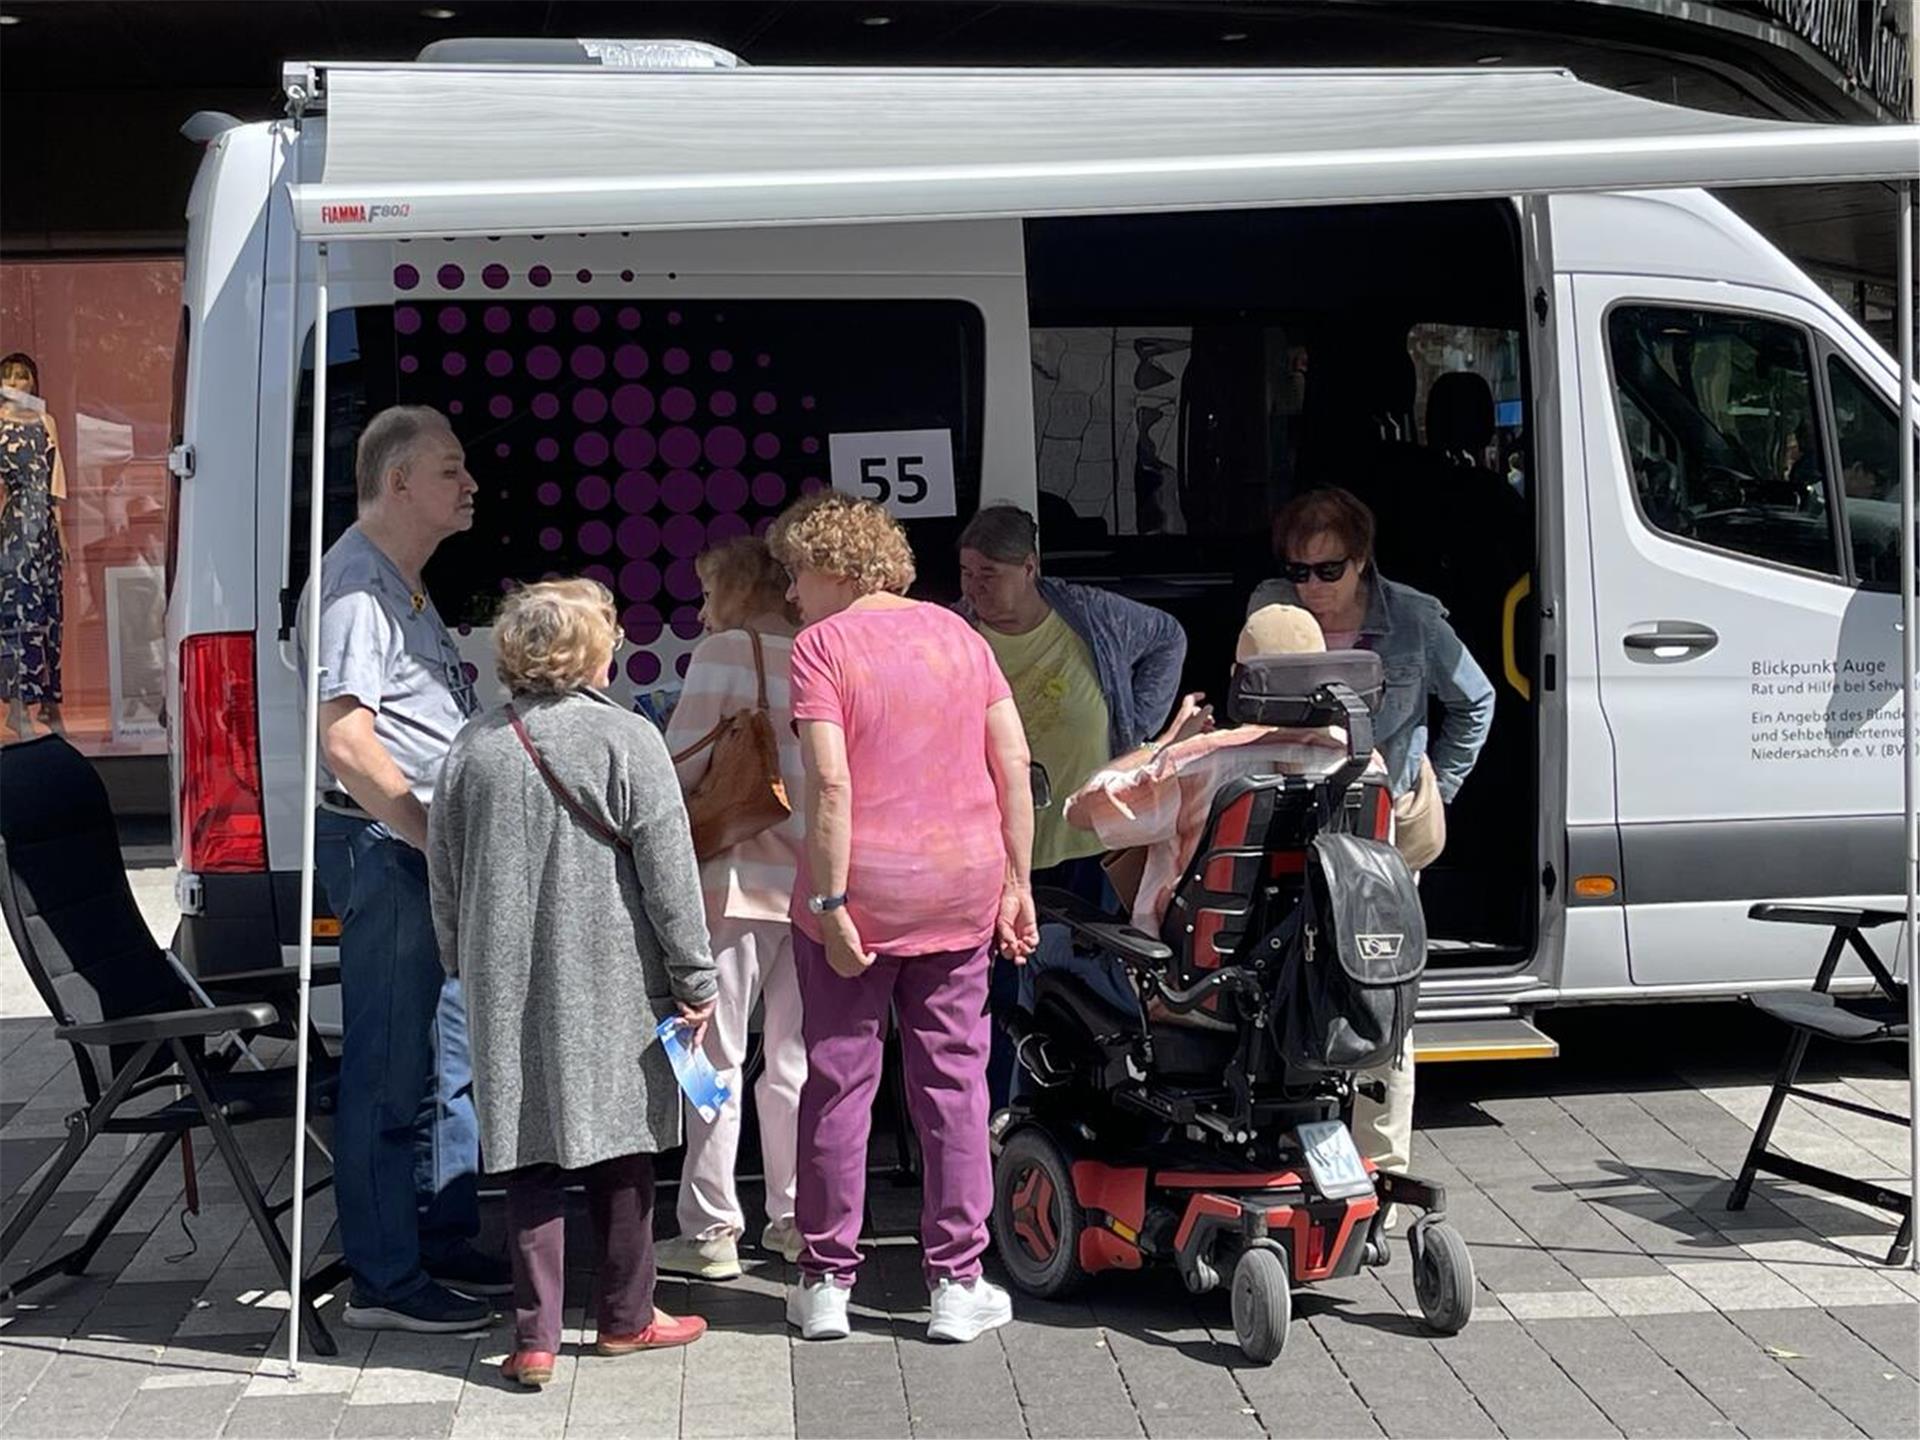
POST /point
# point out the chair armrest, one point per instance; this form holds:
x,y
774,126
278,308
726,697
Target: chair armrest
x,y
273,980
1132,946
171,1025
1852,917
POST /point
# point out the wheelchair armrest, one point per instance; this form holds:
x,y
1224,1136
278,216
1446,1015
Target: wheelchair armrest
x,y
171,1025
1853,917
273,980
1132,946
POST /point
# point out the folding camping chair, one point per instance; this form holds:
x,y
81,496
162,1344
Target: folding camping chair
x,y
135,1025
1862,1020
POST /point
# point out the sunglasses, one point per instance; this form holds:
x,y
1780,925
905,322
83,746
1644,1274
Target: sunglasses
x,y
1325,571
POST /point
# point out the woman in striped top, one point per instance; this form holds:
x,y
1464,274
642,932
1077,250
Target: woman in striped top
x,y
748,890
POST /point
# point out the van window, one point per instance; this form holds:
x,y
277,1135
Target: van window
x,y
1865,430
1494,355
618,438
1722,434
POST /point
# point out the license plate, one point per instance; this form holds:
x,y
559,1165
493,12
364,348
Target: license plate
x,y
1333,1159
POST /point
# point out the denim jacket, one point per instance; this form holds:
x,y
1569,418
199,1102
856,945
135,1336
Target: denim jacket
x,y
1423,660
1138,652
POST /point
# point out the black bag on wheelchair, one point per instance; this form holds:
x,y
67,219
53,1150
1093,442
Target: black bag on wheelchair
x,y
1351,956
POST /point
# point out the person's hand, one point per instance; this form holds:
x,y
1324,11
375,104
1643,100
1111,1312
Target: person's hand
x,y
1016,931
1193,716
848,956
695,1018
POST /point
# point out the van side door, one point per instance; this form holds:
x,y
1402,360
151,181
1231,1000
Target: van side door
x,y
1749,671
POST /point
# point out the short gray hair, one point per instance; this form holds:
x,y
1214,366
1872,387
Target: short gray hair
x,y
1002,533
386,441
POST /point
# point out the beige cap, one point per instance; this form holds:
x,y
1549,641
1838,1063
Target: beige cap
x,y
1279,630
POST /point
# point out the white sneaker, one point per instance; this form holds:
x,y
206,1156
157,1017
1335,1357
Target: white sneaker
x,y
782,1238
819,1308
966,1312
715,1259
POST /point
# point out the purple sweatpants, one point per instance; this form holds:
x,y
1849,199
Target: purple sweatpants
x,y
620,1204
944,1032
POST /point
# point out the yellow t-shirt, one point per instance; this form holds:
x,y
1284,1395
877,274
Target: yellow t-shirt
x,y
1057,691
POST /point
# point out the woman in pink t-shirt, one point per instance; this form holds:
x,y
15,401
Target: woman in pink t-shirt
x,y
919,835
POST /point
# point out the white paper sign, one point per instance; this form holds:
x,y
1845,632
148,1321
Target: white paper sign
x,y
908,471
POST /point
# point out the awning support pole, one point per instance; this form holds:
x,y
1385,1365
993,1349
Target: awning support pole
x,y
310,756
1909,659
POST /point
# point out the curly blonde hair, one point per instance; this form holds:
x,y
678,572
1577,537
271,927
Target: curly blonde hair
x,y
850,539
554,637
744,578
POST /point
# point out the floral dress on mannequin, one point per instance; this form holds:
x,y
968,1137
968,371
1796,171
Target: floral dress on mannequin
x,y
30,568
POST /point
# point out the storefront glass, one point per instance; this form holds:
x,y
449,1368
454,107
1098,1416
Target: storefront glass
x,y
85,651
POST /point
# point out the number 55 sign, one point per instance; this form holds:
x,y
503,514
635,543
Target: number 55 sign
x,y
908,471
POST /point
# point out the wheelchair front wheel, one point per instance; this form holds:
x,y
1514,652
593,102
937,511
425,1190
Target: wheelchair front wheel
x,y
1443,1279
1036,1215
1262,1305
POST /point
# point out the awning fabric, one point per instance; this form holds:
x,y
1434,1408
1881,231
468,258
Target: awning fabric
x,y
463,150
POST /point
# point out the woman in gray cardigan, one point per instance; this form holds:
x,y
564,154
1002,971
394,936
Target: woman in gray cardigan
x,y
567,901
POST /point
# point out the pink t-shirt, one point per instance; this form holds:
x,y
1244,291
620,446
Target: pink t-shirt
x,y
909,687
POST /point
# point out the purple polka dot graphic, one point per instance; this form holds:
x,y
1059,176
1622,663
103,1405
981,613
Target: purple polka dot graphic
x,y
470,670
591,448
600,573
677,404
549,538
546,405
720,361
540,277
676,361
680,447
463,629
810,445
409,364
548,493
638,537
766,445
590,406
639,580
686,624
451,277
452,319
680,665
455,407
586,319
497,319
593,492
630,362
673,317
812,485
806,402
769,490
543,362
763,525
500,407
726,489
595,537
629,318
683,536
406,320
643,668
633,448
726,446
540,319
633,404
454,363
681,490
499,362
583,276
405,277
588,362
548,449
764,403
502,450
763,360
682,582
637,492
494,277
723,403
723,528
641,622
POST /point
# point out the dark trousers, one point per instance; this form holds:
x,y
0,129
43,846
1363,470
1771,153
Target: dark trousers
x,y
620,1203
1084,878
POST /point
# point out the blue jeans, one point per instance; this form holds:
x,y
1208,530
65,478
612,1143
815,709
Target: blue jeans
x,y
1010,985
406,1145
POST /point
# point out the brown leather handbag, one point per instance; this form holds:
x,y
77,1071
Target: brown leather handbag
x,y
742,791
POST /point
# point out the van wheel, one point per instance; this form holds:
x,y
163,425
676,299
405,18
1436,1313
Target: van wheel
x,y
1443,1279
1036,1217
1262,1305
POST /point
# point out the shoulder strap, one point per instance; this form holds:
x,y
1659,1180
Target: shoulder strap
x,y
720,725
574,807
759,666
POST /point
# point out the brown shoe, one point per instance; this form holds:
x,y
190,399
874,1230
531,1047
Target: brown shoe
x,y
664,1332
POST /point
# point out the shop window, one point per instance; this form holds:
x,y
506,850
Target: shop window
x,y
1865,429
1721,432
102,334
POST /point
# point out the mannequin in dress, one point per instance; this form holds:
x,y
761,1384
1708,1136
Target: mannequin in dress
x,y
33,488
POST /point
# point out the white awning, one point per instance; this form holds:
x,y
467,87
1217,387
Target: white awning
x,y
414,150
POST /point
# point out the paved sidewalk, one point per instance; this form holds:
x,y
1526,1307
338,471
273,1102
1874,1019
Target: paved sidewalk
x,y
1617,1295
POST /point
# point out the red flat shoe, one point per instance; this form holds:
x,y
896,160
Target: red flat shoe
x,y
664,1332
532,1368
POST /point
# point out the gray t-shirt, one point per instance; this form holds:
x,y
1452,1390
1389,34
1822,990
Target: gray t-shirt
x,y
394,657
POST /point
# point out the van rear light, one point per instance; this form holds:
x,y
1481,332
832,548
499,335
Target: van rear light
x,y
221,820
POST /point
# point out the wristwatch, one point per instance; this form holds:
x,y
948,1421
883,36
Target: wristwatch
x,y
821,904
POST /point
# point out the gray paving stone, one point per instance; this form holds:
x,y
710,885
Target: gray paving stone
x,y
285,1417
1399,1377
1065,1374
1893,1330
1303,1393
848,1390
76,1394
186,1412
1518,1384
427,1421
1638,1391
20,1367
959,1390
738,1381
1757,1392
1844,1370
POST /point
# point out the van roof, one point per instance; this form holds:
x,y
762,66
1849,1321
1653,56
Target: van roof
x,y
475,149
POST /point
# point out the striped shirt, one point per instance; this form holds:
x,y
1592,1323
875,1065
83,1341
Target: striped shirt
x,y
753,880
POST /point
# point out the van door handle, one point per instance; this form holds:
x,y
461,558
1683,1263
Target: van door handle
x,y
1671,640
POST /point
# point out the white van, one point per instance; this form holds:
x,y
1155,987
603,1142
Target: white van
x,y
1649,466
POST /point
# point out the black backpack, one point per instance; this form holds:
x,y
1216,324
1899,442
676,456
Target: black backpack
x,y
1351,956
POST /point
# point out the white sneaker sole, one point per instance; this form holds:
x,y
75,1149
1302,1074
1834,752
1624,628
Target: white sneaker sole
x,y
837,1328
959,1332
698,1269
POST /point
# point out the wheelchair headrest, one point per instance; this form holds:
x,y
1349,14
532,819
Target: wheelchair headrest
x,y
1291,689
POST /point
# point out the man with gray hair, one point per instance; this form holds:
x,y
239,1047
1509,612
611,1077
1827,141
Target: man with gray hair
x,y
393,694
